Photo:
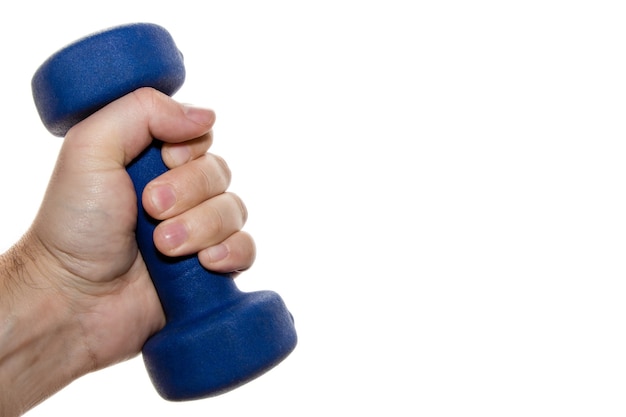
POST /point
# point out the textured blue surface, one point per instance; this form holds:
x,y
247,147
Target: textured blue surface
x,y
216,337
90,73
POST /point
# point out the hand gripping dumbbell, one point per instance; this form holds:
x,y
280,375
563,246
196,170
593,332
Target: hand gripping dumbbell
x,y
216,337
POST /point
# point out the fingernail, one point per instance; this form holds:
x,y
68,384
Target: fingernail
x,y
179,154
174,234
217,253
163,197
199,115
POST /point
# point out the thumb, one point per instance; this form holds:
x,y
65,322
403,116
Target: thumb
x,y
113,136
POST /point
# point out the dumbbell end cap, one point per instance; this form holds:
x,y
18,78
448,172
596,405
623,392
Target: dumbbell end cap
x,y
211,355
88,74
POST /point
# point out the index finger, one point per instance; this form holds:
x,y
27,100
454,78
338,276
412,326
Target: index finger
x,y
120,131
177,154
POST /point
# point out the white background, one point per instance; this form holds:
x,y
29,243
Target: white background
x,y
436,188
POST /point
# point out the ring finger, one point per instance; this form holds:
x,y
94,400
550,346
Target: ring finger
x,y
184,187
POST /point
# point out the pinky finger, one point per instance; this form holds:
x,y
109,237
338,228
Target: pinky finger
x,y
234,255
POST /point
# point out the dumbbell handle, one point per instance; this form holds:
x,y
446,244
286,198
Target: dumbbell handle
x,y
182,283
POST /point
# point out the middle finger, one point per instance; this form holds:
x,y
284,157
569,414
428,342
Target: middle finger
x,y
184,187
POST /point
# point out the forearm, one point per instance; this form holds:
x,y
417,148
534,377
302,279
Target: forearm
x,y
40,349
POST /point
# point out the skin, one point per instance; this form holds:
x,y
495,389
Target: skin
x,y
75,295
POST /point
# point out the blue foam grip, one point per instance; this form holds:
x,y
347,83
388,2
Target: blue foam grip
x,y
216,337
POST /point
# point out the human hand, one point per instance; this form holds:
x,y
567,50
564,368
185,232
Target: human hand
x,y
81,251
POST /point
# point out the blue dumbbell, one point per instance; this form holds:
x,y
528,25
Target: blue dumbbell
x,y
216,337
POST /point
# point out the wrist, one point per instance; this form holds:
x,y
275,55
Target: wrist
x,y
40,349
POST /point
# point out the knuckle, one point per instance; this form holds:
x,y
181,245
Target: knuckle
x,y
216,224
208,139
206,179
240,206
223,168
213,223
147,97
